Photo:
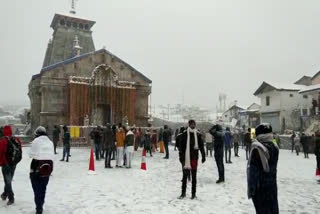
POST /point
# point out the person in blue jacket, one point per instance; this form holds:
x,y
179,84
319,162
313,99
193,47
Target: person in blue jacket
x,y
228,144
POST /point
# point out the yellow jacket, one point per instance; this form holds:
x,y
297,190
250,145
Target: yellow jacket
x,y
120,136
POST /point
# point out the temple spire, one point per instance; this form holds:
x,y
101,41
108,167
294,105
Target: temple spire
x,y
73,7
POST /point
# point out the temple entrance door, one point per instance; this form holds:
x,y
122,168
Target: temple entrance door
x,y
102,114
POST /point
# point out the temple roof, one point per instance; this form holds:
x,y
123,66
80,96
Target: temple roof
x,y
78,58
72,18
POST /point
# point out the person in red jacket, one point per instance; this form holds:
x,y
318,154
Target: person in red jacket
x,y
8,167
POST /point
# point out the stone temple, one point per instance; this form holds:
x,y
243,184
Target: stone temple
x,y
79,85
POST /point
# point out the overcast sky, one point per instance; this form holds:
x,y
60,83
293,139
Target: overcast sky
x,y
191,49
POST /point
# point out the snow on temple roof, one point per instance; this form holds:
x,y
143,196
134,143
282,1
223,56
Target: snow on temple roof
x,y
78,58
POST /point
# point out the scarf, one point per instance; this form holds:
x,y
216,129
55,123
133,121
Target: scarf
x,y
187,164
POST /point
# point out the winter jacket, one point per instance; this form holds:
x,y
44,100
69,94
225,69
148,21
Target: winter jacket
x,y
120,136
236,138
166,135
108,139
96,136
7,133
218,139
66,138
194,153
147,140
178,140
317,147
247,139
129,141
227,139
262,181
41,149
55,134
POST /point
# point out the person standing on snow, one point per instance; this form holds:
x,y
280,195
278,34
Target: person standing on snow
x,y
147,141
129,144
120,137
236,143
166,139
209,142
228,144
10,156
317,151
189,146
262,171
304,143
55,137
154,140
66,143
41,166
297,144
248,142
108,141
218,135
292,141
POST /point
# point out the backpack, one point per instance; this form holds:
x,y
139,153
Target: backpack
x,y
45,168
14,151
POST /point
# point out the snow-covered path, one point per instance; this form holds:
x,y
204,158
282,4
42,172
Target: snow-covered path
x,y
71,190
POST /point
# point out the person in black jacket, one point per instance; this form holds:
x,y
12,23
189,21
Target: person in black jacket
x,y
108,141
262,172
248,142
304,143
66,143
317,151
217,133
55,138
166,139
189,146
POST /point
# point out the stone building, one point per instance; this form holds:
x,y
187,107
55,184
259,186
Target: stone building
x,y
78,83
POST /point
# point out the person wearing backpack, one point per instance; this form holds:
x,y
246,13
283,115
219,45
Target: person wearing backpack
x,y
41,166
10,156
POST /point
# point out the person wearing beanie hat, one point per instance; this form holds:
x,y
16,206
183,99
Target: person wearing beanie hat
x,y
8,166
218,136
42,153
262,171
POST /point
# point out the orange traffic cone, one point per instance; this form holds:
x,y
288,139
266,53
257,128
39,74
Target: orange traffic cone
x,y
143,160
91,164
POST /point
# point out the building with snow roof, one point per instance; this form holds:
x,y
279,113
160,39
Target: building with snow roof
x,y
281,105
231,117
78,82
250,117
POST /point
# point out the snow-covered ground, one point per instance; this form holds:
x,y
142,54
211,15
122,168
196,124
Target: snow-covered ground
x,y
72,190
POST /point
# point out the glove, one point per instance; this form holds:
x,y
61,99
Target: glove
x,y
203,159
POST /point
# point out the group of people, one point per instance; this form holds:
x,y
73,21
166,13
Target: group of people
x,y
262,162
302,140
41,166
119,143
112,142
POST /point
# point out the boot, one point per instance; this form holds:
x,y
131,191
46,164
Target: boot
x,y
3,197
193,196
10,202
62,159
182,196
220,181
39,211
